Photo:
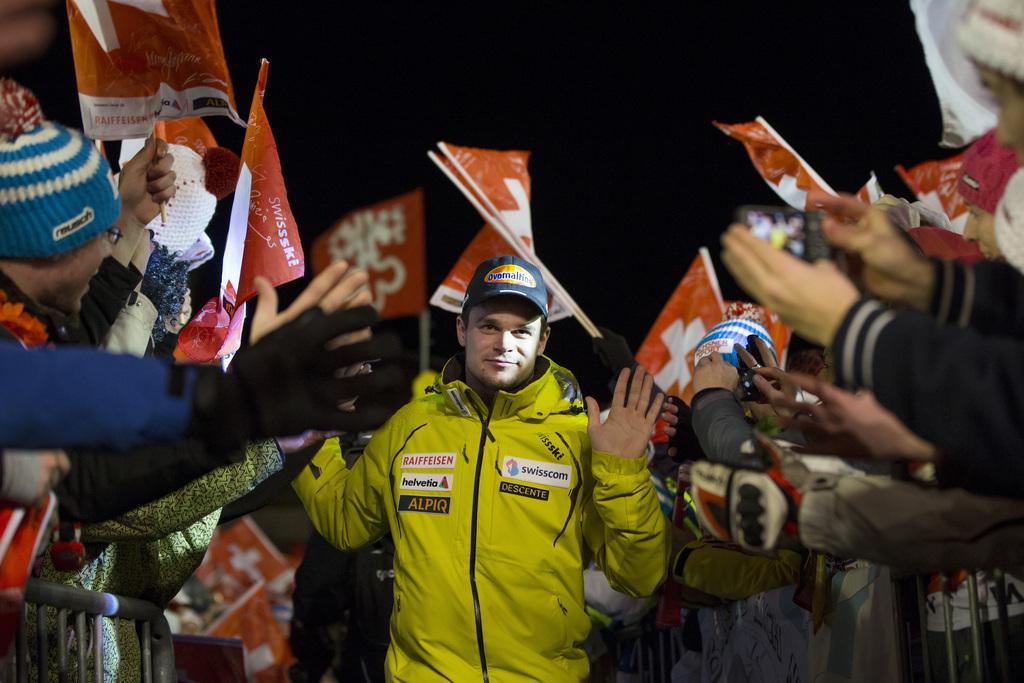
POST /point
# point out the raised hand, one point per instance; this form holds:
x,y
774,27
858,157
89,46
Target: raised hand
x,y
714,372
146,181
631,418
337,287
850,425
892,270
812,298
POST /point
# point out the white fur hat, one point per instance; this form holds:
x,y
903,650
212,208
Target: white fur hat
x,y
992,34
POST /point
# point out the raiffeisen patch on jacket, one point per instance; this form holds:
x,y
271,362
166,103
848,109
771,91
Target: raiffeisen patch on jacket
x,y
494,517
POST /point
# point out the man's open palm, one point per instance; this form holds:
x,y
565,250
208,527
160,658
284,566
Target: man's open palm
x,y
631,418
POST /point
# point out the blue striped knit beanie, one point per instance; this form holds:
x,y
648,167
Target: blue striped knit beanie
x,y
56,189
741,319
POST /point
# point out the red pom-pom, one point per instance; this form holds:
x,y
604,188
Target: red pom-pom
x,y
222,166
19,109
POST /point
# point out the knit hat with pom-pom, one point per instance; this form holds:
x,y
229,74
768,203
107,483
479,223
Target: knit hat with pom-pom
x,y
984,172
201,181
740,320
56,189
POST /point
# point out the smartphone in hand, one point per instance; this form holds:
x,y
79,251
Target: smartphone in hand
x,y
798,232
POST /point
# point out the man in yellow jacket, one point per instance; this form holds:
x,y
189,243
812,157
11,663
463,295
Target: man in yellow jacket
x,y
498,492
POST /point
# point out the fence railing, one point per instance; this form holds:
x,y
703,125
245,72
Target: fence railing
x,y
987,657
86,610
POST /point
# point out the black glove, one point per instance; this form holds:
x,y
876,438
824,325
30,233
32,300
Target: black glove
x,y
613,350
286,383
684,445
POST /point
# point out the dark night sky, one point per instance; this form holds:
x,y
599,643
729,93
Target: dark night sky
x,y
629,177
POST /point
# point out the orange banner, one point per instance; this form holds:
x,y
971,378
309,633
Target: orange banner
x,y
137,61
387,239
783,169
694,307
241,556
191,132
22,532
945,244
487,244
499,182
267,654
934,184
263,240
273,248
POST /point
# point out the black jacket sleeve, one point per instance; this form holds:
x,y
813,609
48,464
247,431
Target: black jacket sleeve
x,y
103,485
959,389
987,297
109,291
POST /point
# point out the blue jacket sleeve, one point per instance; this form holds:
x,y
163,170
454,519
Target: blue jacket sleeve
x,y
81,397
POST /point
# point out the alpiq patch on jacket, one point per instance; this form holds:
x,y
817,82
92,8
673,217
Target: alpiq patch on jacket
x,y
536,472
426,482
427,461
437,505
523,490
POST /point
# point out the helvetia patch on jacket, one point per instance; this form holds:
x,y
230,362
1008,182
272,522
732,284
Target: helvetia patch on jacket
x,y
536,472
437,505
426,482
523,490
428,461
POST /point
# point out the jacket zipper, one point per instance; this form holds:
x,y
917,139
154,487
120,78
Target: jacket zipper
x,y
472,548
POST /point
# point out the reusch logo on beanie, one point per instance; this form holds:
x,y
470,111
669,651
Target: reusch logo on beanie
x,y
74,225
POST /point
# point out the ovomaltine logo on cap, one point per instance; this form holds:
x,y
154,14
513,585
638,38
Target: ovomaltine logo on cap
x,y
511,274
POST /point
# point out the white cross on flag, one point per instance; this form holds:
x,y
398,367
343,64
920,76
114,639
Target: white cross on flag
x,y
782,168
694,307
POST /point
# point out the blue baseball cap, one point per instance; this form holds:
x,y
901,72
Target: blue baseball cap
x,y
506,275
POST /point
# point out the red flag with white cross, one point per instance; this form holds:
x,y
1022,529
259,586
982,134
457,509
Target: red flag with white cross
x,y
694,307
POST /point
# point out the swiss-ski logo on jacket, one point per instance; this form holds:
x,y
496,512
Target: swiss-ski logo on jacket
x,y
536,472
550,445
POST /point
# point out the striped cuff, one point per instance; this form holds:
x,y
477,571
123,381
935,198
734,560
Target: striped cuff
x,y
854,344
953,297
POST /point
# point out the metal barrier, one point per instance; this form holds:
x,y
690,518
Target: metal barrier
x,y
649,652
989,641
88,609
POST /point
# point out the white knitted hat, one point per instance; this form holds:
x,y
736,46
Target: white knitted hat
x,y
192,207
992,34
1010,221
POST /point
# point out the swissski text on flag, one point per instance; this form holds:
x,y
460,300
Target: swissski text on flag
x,y
263,240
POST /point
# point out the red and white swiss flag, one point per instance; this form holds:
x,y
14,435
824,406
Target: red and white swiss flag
x,y
783,169
694,307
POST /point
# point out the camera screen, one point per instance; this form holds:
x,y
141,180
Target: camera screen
x,y
781,229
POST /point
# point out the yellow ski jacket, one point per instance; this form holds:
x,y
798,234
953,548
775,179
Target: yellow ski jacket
x,y
494,515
